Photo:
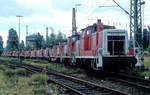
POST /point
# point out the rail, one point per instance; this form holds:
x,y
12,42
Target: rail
x,y
75,85
132,80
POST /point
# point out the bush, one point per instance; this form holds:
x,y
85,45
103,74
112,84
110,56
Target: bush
x,y
21,71
2,67
40,79
148,49
9,72
146,53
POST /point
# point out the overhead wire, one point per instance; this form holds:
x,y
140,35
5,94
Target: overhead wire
x,y
104,3
93,11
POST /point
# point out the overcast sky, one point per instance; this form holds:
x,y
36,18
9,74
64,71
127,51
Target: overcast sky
x,y
39,14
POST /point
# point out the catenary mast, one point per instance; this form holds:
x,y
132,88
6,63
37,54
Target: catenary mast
x,y
136,21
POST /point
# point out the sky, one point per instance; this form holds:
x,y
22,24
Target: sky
x,y
39,14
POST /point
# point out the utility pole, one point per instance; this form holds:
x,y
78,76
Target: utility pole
x,y
46,36
26,36
26,30
26,33
19,16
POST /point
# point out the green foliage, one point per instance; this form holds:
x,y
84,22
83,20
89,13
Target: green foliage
x,y
51,39
56,67
40,41
147,62
9,72
30,47
7,59
144,73
147,65
148,49
149,27
146,38
39,79
54,39
13,40
2,68
22,46
1,45
12,72
14,85
11,83
21,71
60,37
37,43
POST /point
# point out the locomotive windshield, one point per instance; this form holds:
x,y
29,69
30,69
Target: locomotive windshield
x,y
116,45
116,42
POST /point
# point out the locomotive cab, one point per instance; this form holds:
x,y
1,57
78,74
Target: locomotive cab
x,y
117,42
115,49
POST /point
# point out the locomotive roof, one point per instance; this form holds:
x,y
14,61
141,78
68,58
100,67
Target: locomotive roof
x,y
94,25
114,30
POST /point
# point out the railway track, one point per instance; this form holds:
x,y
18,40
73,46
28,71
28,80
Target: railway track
x,y
132,80
82,87
75,85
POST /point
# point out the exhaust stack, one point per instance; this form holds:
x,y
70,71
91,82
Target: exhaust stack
x,y
74,28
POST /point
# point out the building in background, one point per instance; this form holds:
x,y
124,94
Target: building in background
x,y
35,41
31,40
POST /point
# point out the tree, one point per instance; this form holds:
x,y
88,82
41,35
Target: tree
x,y
29,47
51,40
22,47
60,37
149,27
40,43
148,49
36,41
13,41
148,38
1,45
54,39
145,38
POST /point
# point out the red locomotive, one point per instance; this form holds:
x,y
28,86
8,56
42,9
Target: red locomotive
x,y
98,46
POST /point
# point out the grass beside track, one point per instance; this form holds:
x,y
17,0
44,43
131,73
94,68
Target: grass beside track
x,y
56,67
145,73
79,72
16,82
147,65
52,66
75,71
147,61
6,59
